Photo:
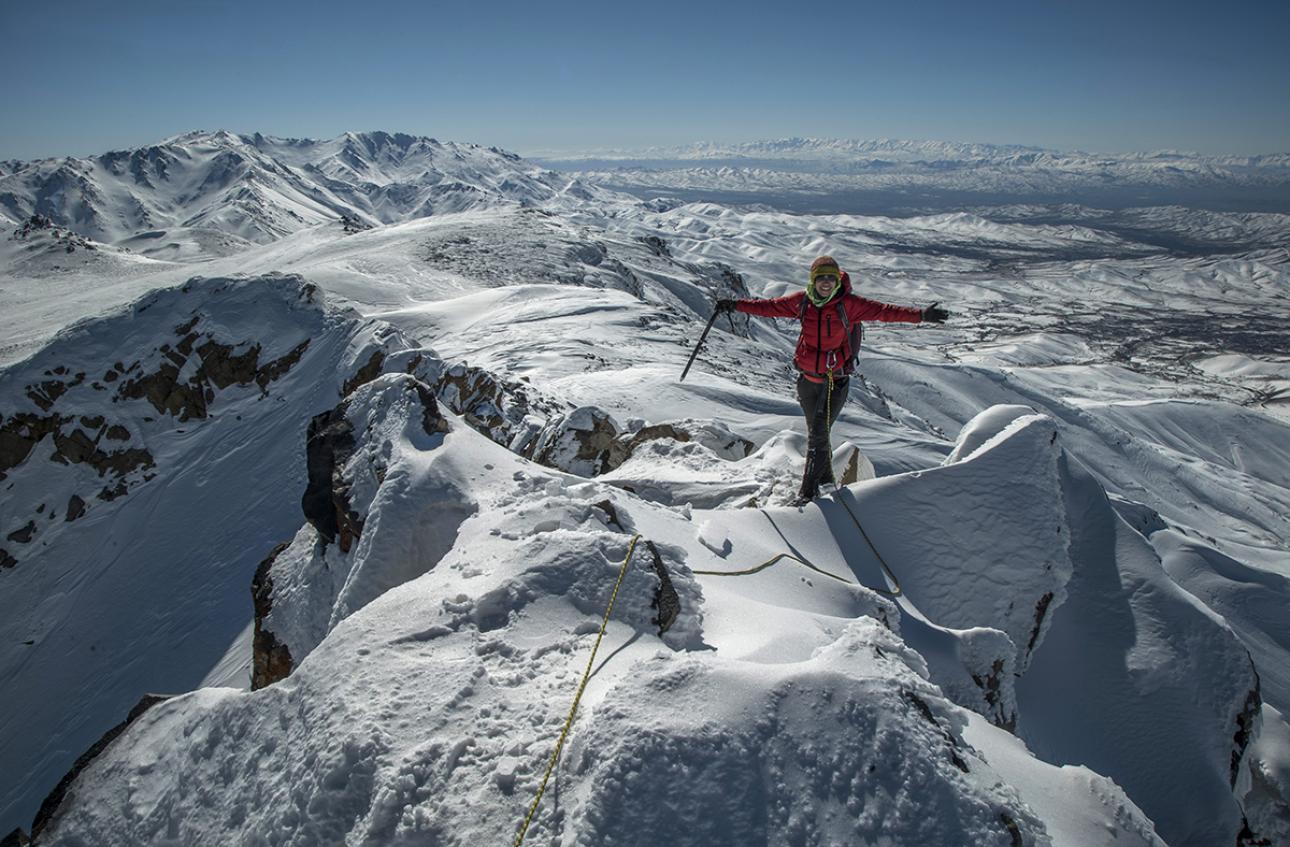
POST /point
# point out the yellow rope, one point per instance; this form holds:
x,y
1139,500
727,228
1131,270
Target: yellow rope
x,y
772,561
573,710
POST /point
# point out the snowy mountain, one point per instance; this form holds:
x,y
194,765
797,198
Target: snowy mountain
x,y
217,192
886,176
351,503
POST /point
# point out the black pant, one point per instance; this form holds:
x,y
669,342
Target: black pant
x,y
821,408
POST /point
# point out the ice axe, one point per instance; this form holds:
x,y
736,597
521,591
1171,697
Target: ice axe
x,y
702,338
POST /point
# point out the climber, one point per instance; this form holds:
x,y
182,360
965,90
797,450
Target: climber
x,y
831,317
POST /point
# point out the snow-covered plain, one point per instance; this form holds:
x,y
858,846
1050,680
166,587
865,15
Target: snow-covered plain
x,y
1081,483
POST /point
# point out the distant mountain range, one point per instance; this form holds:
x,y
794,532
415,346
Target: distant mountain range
x,y
892,176
259,188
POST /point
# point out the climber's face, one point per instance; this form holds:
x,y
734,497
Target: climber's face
x,y
824,284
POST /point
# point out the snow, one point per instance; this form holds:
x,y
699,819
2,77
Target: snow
x,y
1062,622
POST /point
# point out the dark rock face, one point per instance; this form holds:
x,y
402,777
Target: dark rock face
x,y
991,686
432,421
271,660
6,560
50,807
17,838
578,443
20,434
75,508
328,446
365,374
1041,610
666,601
498,408
219,368
23,535
1246,722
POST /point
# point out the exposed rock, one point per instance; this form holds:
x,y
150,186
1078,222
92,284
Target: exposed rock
x,y
50,807
219,368
116,432
73,449
508,412
24,535
78,448
163,391
270,659
45,394
1247,838
951,743
223,367
712,435
329,444
20,434
109,494
6,559
278,367
578,443
366,373
75,508
666,601
656,245
1041,611
991,686
1246,723
432,421
17,838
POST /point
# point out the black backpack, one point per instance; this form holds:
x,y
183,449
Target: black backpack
x,y
855,333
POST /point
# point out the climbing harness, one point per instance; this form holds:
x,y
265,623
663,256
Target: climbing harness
x,y
573,710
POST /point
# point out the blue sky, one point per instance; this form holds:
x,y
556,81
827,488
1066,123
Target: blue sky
x,y
1100,76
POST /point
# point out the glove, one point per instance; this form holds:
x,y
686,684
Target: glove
x,y
725,306
935,314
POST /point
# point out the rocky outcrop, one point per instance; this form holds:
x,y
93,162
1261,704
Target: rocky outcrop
x,y
579,442
509,412
716,437
75,508
219,367
368,372
328,446
270,658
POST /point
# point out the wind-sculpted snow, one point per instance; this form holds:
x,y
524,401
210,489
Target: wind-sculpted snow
x,y
428,712
1139,681
852,746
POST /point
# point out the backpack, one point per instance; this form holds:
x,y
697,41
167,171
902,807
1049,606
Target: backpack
x,y
855,333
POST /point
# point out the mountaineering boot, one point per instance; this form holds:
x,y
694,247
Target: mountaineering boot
x,y
810,479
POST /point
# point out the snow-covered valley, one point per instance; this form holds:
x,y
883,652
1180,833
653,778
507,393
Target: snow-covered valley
x,y
381,450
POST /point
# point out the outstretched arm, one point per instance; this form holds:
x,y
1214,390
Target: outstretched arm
x,y
863,309
776,307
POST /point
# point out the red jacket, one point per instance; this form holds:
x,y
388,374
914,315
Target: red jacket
x,y
823,344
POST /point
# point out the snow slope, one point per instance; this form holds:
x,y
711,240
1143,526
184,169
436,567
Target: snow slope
x,y
426,713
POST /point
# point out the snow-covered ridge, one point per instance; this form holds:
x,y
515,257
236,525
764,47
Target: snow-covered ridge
x,y
424,710
259,188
